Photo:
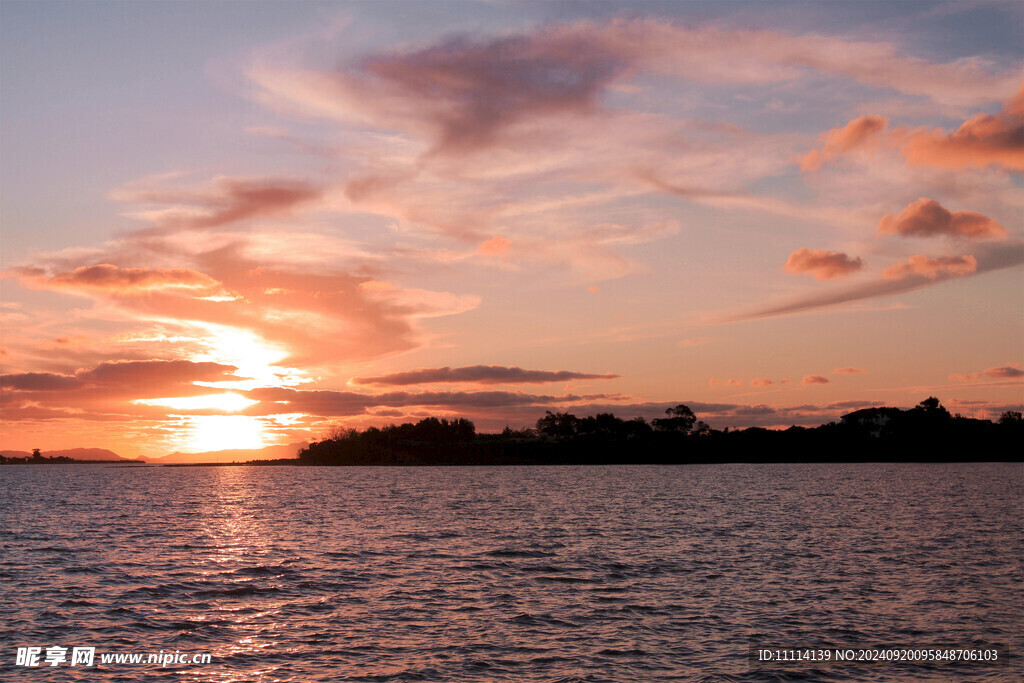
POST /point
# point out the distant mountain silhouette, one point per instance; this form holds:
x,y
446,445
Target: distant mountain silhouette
x,y
231,455
74,453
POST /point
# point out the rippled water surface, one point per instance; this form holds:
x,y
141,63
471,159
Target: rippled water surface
x,y
508,574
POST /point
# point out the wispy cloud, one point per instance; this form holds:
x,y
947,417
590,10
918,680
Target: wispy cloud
x,y
989,258
229,200
1011,371
480,374
856,134
932,267
342,403
116,281
107,389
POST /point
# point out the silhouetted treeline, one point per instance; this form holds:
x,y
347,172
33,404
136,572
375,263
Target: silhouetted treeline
x,y
925,433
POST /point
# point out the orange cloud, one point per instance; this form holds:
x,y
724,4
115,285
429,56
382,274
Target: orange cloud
x,y
315,316
848,371
983,140
856,134
823,265
932,268
761,382
715,382
482,374
815,379
927,218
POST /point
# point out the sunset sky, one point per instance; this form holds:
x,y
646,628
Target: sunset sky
x,y
230,224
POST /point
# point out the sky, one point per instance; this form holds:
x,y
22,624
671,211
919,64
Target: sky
x,y
235,224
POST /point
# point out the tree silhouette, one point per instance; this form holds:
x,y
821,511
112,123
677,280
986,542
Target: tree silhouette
x,y
558,425
931,406
1011,417
680,419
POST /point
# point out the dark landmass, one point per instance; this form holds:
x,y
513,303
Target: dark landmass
x,y
926,433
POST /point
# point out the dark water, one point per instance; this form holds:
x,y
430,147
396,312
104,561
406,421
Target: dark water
x,y
508,574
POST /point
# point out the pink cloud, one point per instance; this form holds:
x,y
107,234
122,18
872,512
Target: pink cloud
x,y
465,94
928,218
856,134
39,381
124,375
761,382
478,89
989,258
932,267
983,140
230,200
848,371
1005,372
496,246
815,379
823,265
341,403
965,377
1010,372
105,392
845,405
120,281
715,382
163,372
482,374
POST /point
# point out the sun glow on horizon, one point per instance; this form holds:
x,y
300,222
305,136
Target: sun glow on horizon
x,y
222,432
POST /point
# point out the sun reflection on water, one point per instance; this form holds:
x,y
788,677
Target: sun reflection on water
x,y
236,559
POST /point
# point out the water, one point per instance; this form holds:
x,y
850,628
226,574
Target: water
x,y
508,574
